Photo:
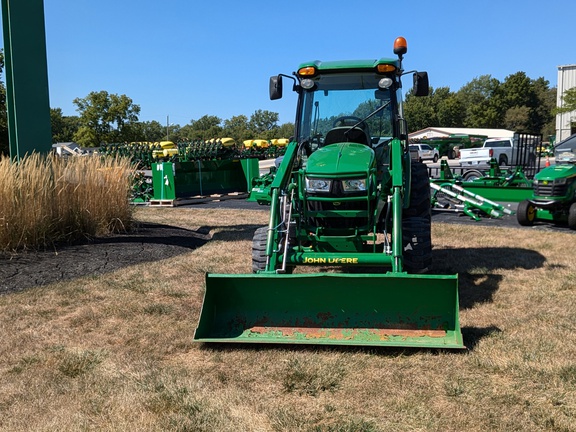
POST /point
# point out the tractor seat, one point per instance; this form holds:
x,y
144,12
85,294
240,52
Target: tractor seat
x,y
355,135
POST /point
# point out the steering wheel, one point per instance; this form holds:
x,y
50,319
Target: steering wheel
x,y
349,121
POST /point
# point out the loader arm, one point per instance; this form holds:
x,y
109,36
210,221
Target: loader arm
x,y
400,169
278,186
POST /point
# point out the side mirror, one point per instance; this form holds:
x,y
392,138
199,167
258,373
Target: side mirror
x,y
275,87
421,86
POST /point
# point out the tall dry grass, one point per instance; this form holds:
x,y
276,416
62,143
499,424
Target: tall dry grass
x,y
47,199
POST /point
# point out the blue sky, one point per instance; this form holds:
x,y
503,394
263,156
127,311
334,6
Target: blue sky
x,y
183,59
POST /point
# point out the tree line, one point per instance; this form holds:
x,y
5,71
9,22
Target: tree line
x,y
110,118
518,103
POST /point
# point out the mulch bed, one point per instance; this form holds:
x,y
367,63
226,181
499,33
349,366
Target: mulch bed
x,y
148,243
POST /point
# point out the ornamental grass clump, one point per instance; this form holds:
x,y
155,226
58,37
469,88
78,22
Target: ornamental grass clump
x,y
45,200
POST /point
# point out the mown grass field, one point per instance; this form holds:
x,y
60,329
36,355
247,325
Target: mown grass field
x,y
114,352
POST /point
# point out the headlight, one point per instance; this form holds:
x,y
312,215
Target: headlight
x,y
354,185
560,181
307,83
318,185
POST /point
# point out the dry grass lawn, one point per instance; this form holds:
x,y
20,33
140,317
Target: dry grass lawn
x,y
114,352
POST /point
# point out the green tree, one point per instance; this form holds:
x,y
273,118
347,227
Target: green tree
x,y
263,123
286,130
419,111
568,104
517,118
544,112
481,99
450,111
568,101
105,118
518,99
237,127
173,133
63,127
151,131
206,127
529,104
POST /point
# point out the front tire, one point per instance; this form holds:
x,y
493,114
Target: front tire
x,y
572,216
417,223
526,213
259,249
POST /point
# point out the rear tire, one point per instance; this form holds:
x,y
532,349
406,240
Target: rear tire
x,y
572,216
417,223
435,158
526,213
417,244
503,161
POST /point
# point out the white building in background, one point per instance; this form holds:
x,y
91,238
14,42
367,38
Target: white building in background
x,y
566,80
435,132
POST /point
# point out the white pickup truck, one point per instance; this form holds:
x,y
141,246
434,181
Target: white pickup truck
x,y
504,150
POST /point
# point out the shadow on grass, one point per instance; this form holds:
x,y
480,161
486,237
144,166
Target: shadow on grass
x,y
477,269
473,335
234,233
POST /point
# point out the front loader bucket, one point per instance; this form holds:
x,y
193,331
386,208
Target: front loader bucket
x,y
332,309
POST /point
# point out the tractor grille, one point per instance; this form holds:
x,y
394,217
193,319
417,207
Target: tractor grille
x,y
550,190
338,222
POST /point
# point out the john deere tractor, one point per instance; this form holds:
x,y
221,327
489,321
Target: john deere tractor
x,y
554,198
348,200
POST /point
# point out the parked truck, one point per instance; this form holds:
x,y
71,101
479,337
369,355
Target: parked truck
x,y
518,150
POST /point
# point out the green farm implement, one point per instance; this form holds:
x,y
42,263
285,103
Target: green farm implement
x,y
168,172
348,201
492,184
469,202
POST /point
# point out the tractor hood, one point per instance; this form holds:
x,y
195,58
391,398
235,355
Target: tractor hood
x,y
555,172
341,159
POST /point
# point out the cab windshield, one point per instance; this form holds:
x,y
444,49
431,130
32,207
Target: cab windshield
x,y
341,100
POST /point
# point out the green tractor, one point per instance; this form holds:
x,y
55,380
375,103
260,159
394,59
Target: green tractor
x,y
554,197
346,197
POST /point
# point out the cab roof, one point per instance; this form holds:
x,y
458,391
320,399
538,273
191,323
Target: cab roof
x,y
342,65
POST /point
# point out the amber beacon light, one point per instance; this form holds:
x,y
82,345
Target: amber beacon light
x,y
400,46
